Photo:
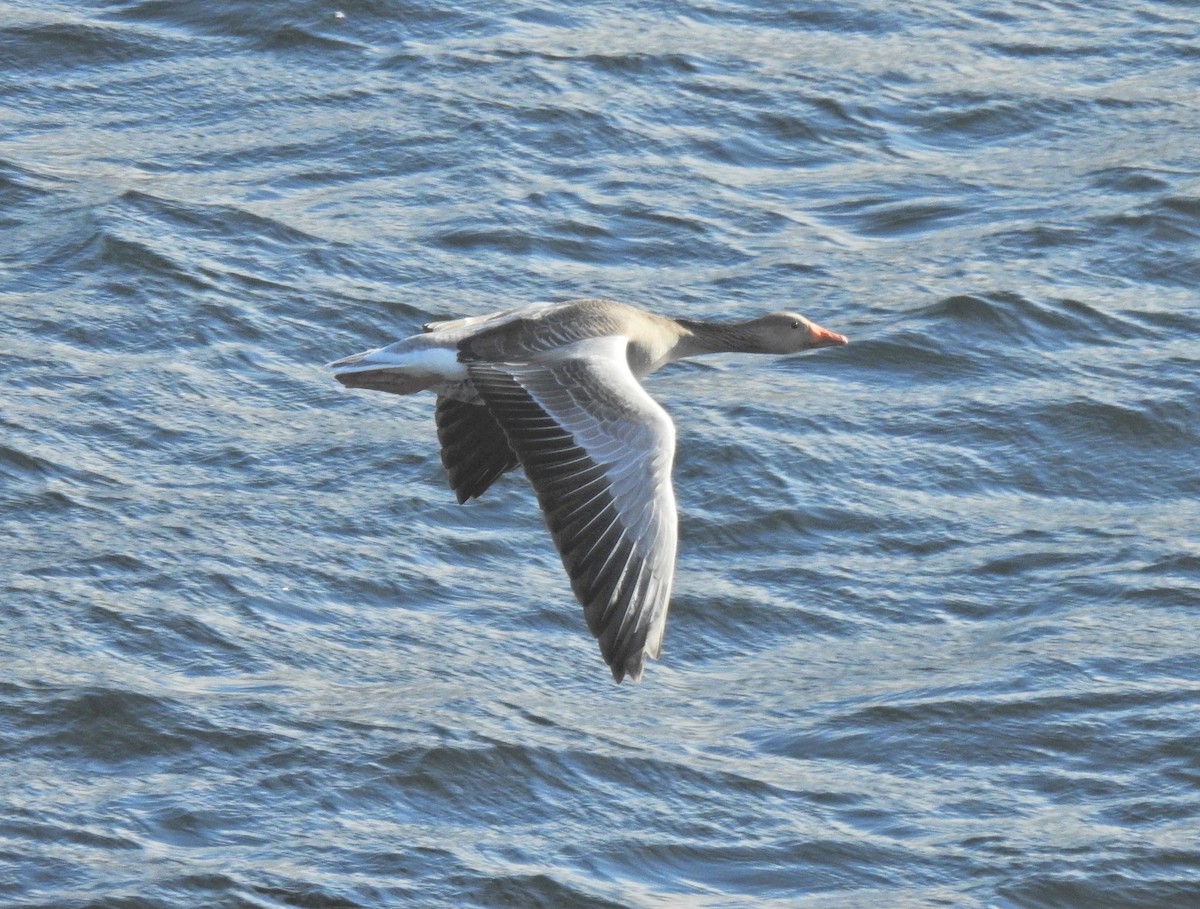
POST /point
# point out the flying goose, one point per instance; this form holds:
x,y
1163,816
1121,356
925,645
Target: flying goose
x,y
555,388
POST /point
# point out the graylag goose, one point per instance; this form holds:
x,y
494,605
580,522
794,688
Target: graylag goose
x,y
555,388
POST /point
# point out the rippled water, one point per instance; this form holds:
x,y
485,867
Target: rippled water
x,y
936,634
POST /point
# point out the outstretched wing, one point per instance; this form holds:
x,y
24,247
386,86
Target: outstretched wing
x,y
598,451
475,450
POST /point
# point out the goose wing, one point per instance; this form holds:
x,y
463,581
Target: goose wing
x,y
598,451
475,450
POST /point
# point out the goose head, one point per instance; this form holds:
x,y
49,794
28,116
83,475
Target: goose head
x,y
789,332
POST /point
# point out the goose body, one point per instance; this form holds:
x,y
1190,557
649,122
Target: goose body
x,y
555,388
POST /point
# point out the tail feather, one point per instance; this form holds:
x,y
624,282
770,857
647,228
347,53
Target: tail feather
x,y
393,381
404,368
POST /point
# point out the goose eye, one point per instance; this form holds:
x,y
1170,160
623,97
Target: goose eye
x,y
795,325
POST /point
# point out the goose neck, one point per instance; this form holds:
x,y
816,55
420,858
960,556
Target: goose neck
x,y
716,337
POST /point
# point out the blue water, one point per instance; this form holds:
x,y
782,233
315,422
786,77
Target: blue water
x,y
936,632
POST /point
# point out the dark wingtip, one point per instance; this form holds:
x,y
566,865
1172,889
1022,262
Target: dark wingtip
x,y
475,451
621,671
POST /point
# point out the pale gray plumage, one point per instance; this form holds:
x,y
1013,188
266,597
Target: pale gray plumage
x,y
555,388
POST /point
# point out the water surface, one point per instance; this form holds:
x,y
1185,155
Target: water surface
x,y
936,627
